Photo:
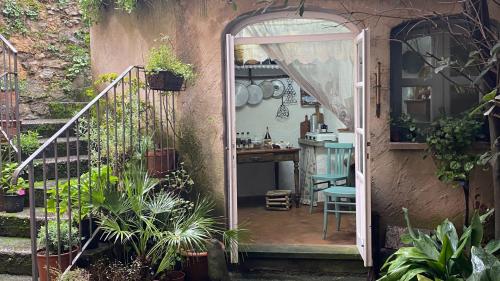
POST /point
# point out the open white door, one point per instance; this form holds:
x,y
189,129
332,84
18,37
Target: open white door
x,y
361,107
230,142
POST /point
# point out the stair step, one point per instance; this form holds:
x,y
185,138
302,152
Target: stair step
x,y
64,109
61,147
45,127
61,167
18,224
15,256
8,277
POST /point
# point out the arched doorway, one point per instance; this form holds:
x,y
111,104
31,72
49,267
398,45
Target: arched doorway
x,y
322,57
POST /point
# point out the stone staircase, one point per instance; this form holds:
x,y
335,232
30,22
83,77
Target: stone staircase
x,y
15,249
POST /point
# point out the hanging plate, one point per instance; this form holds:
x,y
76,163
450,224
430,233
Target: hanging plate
x,y
267,89
279,89
255,94
241,95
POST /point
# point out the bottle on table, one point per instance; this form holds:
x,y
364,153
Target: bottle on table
x,y
268,142
238,140
249,141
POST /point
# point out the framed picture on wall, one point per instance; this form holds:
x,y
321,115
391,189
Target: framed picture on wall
x,y
307,100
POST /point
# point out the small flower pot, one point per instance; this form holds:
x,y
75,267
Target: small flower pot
x,y
13,203
160,161
165,81
54,265
196,266
176,276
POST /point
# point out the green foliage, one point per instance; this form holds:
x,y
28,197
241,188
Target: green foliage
x,y
80,61
17,12
450,140
77,274
163,58
6,180
29,142
179,179
155,223
87,196
51,242
406,127
444,255
90,8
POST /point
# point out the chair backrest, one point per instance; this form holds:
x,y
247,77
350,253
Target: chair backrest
x,y
340,154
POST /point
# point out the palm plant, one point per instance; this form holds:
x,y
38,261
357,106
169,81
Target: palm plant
x,y
157,225
444,256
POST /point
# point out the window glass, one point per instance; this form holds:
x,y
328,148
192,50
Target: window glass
x,y
416,102
414,54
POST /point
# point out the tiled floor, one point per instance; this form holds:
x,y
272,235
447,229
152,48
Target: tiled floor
x,y
296,226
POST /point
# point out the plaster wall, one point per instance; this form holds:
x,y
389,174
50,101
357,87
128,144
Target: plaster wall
x,y
399,178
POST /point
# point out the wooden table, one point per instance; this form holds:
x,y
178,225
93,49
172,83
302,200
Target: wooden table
x,y
276,156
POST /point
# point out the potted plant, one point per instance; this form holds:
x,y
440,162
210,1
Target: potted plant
x,y
160,160
54,239
13,194
157,224
166,72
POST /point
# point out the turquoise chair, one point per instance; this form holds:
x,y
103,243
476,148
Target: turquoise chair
x,y
340,155
332,197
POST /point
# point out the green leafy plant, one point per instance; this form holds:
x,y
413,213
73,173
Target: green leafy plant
x,y
84,197
449,142
156,224
405,128
29,142
17,13
6,181
444,255
58,237
179,179
163,58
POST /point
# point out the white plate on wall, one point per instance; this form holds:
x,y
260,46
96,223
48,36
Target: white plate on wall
x,y
241,95
255,94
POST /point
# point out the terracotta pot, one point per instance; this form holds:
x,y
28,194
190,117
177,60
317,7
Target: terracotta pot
x,y
13,203
160,161
176,276
54,265
165,81
196,266
10,127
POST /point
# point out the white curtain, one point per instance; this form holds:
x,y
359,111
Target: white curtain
x,y
323,69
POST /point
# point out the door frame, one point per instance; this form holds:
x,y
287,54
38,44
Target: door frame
x,y
229,41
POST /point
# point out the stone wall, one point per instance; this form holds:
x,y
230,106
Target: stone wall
x,y
399,178
53,46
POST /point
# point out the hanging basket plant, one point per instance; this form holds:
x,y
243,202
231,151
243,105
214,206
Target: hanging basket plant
x,y
166,72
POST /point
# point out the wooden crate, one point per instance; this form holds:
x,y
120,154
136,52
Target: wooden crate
x,y
279,200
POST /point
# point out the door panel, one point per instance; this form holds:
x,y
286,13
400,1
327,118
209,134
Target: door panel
x,y
232,201
363,196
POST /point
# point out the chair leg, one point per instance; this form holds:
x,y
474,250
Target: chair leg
x,y
337,213
325,217
311,196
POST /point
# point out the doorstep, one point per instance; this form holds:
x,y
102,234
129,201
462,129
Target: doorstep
x,y
330,260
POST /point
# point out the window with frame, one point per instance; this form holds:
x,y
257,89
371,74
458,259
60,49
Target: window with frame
x,y
428,77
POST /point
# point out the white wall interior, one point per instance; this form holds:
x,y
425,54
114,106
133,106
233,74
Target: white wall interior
x,y
254,179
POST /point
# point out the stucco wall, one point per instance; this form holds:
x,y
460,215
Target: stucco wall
x,y
399,178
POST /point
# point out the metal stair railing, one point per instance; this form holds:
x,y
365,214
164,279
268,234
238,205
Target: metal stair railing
x,y
9,102
112,125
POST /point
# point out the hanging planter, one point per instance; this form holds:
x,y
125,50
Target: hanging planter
x,y
165,80
166,72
